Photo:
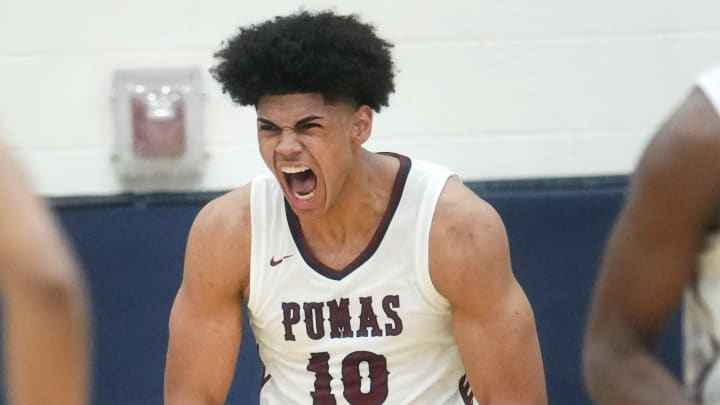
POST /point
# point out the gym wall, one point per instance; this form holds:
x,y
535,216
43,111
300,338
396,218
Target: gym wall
x,y
541,106
493,89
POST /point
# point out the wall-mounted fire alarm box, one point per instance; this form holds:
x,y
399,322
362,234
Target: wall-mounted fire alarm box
x,y
158,128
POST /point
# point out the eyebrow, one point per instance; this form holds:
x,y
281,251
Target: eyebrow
x,y
300,122
307,119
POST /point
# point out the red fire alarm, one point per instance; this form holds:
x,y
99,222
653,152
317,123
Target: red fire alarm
x,y
158,123
158,128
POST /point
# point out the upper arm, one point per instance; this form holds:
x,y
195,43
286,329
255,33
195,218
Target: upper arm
x,y
492,319
206,318
652,252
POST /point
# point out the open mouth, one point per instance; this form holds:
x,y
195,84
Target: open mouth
x,y
301,181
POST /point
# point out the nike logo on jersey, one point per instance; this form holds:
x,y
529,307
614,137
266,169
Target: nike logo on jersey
x,y
274,262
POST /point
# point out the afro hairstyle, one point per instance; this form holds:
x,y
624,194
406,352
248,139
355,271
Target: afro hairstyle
x,y
334,55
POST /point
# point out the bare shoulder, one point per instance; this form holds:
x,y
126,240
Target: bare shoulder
x,y
218,247
692,131
681,159
462,214
227,215
468,243
696,119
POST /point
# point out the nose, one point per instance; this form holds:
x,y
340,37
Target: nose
x,y
289,144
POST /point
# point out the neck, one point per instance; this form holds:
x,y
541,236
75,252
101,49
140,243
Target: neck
x,y
359,208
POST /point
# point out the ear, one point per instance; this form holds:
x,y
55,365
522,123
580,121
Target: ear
x,y
362,124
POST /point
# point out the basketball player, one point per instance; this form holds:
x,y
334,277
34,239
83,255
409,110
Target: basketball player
x,y
369,278
665,242
43,297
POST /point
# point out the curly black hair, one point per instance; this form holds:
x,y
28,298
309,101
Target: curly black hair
x,y
334,55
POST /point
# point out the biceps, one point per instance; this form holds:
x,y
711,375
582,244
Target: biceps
x,y
203,348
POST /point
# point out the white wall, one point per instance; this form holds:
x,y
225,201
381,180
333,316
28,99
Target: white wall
x,y
494,89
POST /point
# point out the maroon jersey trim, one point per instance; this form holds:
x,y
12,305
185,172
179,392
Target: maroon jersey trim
x,y
339,274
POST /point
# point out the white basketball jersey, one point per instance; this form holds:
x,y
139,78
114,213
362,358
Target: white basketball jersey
x,y
701,322
375,332
701,316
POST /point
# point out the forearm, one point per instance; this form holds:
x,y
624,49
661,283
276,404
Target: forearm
x,y
46,341
512,372
632,377
202,351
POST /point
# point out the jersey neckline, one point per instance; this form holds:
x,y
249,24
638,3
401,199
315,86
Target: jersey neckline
x,y
366,254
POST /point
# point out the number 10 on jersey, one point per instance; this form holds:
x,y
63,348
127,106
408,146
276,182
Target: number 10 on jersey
x,y
351,378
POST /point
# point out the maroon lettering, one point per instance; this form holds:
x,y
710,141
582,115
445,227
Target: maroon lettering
x,y
465,391
377,387
368,319
389,304
377,374
291,316
314,320
318,364
340,318
265,377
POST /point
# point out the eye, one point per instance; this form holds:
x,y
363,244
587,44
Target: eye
x,y
266,127
310,125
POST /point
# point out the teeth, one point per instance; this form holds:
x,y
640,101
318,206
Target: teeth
x,y
294,169
304,196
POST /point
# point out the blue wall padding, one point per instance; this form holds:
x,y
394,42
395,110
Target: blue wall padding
x,y
132,250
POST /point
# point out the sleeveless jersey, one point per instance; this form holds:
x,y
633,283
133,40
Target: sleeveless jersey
x,y
375,332
701,312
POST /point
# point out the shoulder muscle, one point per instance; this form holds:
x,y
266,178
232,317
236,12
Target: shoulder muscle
x,y
218,247
468,244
